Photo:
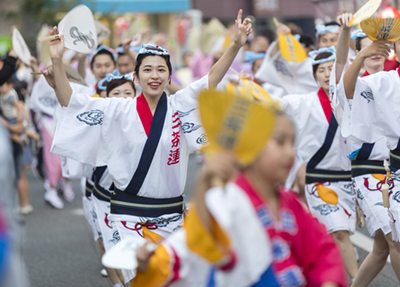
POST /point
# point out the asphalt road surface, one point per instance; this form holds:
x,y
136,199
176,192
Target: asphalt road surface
x,y
59,249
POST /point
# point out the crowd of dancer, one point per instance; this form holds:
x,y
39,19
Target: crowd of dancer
x,y
128,132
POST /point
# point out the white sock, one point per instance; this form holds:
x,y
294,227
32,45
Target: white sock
x,y
117,285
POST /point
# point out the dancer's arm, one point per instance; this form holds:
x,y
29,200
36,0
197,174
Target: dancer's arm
x,y
380,48
58,79
242,31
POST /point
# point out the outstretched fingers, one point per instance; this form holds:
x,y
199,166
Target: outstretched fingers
x,y
239,17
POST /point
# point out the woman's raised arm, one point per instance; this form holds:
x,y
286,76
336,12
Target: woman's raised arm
x,y
239,38
58,79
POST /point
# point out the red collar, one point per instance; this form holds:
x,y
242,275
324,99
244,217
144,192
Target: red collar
x,y
365,74
325,103
145,115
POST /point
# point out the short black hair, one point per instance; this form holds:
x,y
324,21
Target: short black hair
x,y
267,33
140,57
10,80
115,83
358,43
307,41
320,56
102,52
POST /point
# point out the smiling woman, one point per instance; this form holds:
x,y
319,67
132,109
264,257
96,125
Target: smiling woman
x,y
140,140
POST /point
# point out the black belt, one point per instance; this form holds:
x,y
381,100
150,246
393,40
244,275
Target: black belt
x,y
363,167
130,204
88,189
395,158
323,175
101,193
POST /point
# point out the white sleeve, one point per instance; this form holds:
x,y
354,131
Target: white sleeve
x,y
299,109
186,104
359,121
78,130
267,68
339,102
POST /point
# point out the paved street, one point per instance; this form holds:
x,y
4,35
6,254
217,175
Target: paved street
x,y
59,249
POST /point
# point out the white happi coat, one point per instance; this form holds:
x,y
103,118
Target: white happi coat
x,y
44,102
110,132
311,126
341,107
374,112
282,77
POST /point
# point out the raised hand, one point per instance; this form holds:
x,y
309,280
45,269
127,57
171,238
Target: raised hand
x,y
344,19
57,46
242,30
49,78
377,48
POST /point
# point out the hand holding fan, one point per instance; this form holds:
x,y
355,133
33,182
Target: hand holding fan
x,y
248,87
20,47
365,12
236,124
79,30
123,254
382,29
290,48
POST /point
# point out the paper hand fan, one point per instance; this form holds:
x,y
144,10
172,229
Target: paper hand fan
x,y
122,255
290,48
237,90
79,30
255,90
42,48
235,123
365,12
382,29
20,47
103,32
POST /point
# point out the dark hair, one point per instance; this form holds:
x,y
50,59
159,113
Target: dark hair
x,y
18,87
98,90
102,52
323,55
9,81
358,43
115,83
307,41
140,58
333,23
267,33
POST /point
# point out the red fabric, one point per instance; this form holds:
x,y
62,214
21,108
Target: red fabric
x,y
365,74
325,103
231,263
311,247
175,269
390,65
145,115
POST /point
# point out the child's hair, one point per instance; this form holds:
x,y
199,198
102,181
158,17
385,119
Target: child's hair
x,y
140,57
20,86
102,52
9,81
115,83
323,55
